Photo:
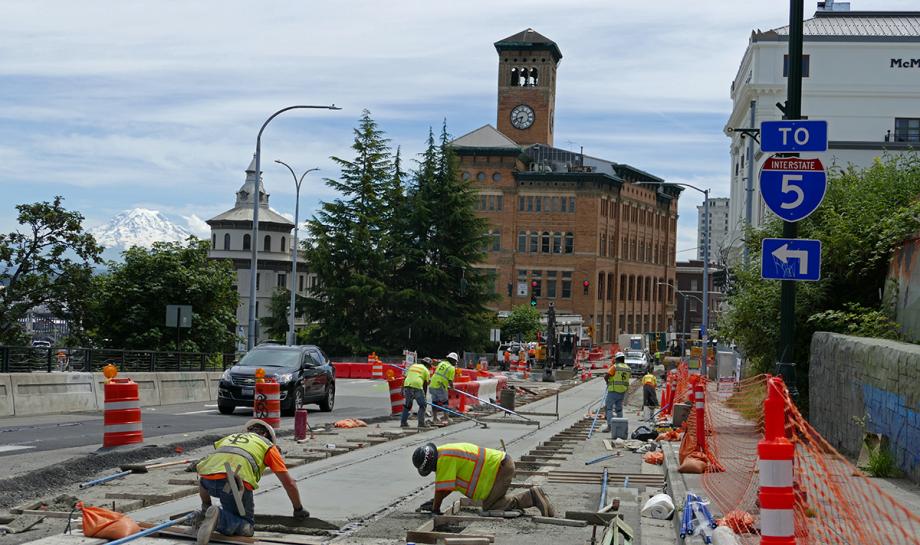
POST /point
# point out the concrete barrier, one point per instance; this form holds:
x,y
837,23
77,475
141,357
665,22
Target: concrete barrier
x,y
213,383
67,392
6,396
183,387
148,388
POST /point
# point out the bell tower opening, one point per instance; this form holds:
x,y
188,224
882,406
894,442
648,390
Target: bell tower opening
x,y
527,63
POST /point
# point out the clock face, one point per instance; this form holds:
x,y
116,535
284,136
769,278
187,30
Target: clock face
x,y
522,116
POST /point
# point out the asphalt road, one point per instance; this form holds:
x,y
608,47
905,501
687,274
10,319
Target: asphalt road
x,y
21,435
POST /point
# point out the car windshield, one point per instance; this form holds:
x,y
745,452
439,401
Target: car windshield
x,y
634,355
271,358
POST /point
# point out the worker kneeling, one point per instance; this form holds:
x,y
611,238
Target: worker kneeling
x,y
479,473
247,454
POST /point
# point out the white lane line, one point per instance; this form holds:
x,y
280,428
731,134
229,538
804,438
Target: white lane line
x,y
212,406
196,412
10,448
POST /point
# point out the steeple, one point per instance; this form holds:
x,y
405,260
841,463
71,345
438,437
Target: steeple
x,y
244,195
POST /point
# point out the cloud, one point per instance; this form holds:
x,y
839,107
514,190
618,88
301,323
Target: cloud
x,y
197,226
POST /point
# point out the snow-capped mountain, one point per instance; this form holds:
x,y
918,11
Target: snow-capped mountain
x,y
138,227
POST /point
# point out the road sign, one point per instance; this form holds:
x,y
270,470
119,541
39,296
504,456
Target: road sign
x,y
179,316
522,289
790,259
792,187
793,136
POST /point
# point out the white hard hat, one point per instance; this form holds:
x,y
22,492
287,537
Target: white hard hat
x,y
619,355
453,356
265,425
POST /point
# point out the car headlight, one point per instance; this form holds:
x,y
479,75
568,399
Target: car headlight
x,y
285,378
226,375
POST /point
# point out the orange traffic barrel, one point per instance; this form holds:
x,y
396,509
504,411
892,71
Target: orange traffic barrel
x,y
267,403
122,416
397,399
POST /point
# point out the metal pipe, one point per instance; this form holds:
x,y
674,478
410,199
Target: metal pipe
x,y
154,529
104,479
453,412
603,502
594,422
601,459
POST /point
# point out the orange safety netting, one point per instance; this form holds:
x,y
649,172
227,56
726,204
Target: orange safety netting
x,y
835,503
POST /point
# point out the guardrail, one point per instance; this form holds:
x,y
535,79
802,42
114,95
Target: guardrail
x,y
26,359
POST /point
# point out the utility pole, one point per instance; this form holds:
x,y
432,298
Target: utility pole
x,y
785,365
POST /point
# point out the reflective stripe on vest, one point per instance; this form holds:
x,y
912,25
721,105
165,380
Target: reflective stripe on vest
x,y
250,447
442,373
468,469
416,376
619,383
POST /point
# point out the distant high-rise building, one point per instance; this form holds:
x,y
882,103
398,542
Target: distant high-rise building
x,y
718,229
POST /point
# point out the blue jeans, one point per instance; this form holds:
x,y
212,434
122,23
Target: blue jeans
x,y
417,395
614,401
439,398
230,522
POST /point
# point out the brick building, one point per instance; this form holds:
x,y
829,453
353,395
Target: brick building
x,y
690,286
594,237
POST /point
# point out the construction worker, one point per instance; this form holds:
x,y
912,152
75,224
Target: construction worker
x,y
249,452
415,388
649,394
479,473
441,381
617,383
507,360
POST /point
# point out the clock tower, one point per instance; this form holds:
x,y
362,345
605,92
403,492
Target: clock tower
x,y
527,65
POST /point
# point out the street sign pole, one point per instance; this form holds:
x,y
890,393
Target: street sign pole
x,y
785,364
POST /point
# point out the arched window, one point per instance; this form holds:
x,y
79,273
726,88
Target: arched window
x,y
227,241
515,77
534,242
545,245
522,241
247,244
602,245
533,77
569,243
213,241
557,243
497,241
283,244
267,247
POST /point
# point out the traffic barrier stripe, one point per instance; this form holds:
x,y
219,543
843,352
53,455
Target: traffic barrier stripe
x,y
267,403
122,417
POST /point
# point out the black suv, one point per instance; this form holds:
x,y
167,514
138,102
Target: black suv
x,y
304,372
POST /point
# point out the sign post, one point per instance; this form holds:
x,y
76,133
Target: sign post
x,y
179,316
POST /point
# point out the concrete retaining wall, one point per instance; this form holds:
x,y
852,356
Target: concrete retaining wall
x,y
26,394
860,385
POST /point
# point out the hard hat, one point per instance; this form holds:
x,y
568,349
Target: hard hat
x,y
619,356
425,459
427,361
255,422
453,357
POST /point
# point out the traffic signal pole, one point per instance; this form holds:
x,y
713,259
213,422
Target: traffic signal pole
x,y
785,365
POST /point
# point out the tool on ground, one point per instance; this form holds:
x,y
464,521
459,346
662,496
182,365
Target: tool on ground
x,y
503,445
105,479
235,484
455,413
499,407
141,468
153,530
603,501
596,415
602,458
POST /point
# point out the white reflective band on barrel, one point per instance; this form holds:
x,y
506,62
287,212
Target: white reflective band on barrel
x,y
776,473
395,391
699,394
700,405
118,405
272,397
777,522
118,428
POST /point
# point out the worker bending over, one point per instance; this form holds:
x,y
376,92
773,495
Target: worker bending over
x,y
617,378
649,394
248,454
415,388
441,381
479,473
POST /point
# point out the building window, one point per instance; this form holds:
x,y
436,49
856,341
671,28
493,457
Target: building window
x,y
533,242
538,204
496,241
466,175
497,177
600,286
227,241
482,202
300,283
906,129
491,201
313,282
246,242
622,290
258,281
610,281
283,244
481,177
257,309
536,283
602,245
522,241
499,202
566,284
545,245
557,243
213,242
693,285
805,65
562,202
554,204
282,280
571,204
569,243
520,204
551,284
267,247
530,204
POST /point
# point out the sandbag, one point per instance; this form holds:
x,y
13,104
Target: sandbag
x,y
692,464
351,423
672,435
654,458
659,506
740,522
102,523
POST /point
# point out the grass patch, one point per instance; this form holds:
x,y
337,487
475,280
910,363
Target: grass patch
x,y
749,401
881,463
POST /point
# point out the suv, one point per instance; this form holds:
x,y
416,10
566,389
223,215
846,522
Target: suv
x,y
638,361
304,373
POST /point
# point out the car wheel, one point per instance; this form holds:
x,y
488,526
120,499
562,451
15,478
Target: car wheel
x,y
225,407
328,400
295,401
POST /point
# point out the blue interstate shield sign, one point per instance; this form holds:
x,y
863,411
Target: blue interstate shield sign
x,y
790,259
792,187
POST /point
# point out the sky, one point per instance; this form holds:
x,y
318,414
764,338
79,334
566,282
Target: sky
x,y
117,105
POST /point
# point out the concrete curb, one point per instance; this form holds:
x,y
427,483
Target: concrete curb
x,y
677,486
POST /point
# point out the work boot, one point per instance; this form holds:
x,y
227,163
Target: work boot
x,y
247,530
605,429
403,424
541,502
208,522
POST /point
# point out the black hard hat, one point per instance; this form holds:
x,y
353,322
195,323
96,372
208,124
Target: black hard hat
x,y
425,458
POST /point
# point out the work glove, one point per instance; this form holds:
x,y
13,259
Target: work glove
x,y
301,514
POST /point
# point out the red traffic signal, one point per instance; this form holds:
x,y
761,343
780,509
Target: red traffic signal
x,y
533,284
586,283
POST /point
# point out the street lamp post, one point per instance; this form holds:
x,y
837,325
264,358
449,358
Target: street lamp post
x,y
254,259
683,320
297,182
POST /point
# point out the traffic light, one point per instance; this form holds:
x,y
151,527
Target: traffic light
x,y
585,285
533,300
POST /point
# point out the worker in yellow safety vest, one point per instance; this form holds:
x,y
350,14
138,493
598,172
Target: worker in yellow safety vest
x,y
441,381
415,388
248,454
617,383
479,473
649,394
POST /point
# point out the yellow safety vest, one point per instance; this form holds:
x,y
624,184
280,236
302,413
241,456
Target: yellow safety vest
x,y
468,469
619,381
443,375
650,379
417,376
246,450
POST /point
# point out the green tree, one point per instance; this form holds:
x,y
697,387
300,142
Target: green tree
x,y
132,298
349,238
524,321
49,262
865,215
275,325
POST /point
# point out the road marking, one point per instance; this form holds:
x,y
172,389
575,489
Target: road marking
x,y
196,412
10,448
212,406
